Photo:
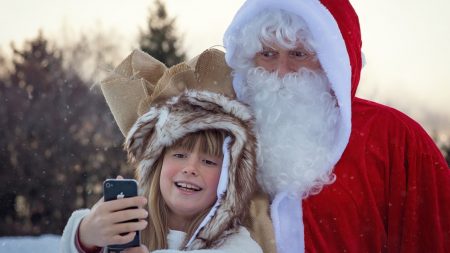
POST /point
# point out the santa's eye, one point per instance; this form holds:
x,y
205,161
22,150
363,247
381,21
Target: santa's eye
x,y
268,53
298,54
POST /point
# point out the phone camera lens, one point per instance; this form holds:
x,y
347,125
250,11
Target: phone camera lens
x,y
108,185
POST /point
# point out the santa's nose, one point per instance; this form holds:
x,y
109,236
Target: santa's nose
x,y
284,66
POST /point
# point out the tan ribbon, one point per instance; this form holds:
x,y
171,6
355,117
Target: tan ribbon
x,y
141,81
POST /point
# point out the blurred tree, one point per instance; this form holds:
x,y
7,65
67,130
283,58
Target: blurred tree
x,y
4,64
160,40
446,150
57,144
92,54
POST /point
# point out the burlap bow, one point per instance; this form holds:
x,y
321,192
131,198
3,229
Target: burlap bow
x,y
141,81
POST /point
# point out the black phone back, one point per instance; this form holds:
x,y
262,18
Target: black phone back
x,y
116,189
119,188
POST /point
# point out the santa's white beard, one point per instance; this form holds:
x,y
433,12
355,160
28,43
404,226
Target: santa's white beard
x,y
296,119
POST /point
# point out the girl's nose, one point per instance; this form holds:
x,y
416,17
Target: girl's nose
x,y
190,169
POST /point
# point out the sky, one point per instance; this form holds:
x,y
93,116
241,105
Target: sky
x,y
405,42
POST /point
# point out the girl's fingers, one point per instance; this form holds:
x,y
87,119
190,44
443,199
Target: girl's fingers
x,y
119,233
128,214
122,239
120,204
127,227
141,249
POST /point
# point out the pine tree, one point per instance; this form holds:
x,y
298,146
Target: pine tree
x,y
57,142
160,40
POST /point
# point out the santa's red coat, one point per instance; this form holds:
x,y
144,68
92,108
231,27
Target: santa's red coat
x,y
392,192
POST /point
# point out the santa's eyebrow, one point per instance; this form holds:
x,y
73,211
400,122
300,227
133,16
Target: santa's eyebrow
x,y
268,48
303,48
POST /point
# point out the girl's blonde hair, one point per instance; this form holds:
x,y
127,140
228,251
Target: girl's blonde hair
x,y
154,236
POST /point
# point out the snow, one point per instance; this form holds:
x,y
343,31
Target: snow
x,y
40,244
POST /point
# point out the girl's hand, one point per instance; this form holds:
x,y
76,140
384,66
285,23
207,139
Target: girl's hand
x,y
141,249
102,226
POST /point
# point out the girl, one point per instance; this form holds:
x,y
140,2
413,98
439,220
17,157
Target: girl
x,y
195,156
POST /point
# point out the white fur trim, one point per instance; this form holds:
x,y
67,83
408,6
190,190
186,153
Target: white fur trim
x,y
287,217
240,242
67,243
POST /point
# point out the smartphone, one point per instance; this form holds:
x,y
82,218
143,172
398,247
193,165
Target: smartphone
x,y
116,189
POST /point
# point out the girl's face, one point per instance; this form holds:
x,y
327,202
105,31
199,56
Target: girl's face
x,y
189,181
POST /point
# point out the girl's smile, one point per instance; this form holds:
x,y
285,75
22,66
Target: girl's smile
x,y
187,187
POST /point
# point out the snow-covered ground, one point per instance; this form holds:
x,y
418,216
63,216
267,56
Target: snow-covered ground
x,y
28,244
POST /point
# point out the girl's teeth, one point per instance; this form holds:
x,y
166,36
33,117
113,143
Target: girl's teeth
x,y
188,186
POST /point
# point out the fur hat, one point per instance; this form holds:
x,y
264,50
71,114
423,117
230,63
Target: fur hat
x,y
187,98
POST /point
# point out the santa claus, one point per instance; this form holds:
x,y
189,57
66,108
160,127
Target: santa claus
x,y
342,174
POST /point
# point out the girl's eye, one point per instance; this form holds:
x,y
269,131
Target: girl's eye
x,y
210,163
179,155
